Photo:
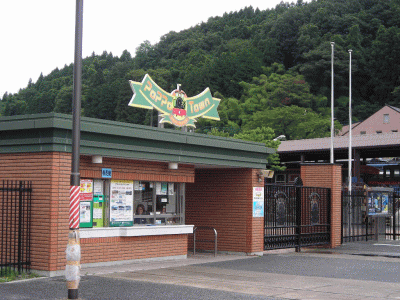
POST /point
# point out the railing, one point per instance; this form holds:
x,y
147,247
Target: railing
x,y
393,221
356,226
209,241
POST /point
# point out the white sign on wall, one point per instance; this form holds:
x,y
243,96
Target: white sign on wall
x,y
258,202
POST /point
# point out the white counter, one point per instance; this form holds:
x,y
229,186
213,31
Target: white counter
x,y
103,232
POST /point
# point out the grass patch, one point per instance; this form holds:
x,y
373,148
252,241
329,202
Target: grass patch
x,y
9,274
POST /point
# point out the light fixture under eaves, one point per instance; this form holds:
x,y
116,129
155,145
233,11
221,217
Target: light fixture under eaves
x,y
173,166
97,159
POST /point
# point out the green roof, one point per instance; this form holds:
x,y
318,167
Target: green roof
x,y
52,132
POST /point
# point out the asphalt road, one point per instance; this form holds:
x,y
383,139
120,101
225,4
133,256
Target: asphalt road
x,y
320,265
102,288
306,275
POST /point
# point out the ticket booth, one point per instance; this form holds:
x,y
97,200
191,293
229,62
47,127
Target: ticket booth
x,y
143,189
380,202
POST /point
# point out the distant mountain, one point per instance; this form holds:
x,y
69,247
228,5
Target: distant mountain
x,y
259,63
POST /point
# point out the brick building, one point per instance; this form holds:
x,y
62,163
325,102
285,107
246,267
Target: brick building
x,y
145,189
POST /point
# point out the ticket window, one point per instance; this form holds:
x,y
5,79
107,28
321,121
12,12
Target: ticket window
x,y
116,203
158,203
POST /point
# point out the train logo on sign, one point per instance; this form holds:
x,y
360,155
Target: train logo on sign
x,y
176,107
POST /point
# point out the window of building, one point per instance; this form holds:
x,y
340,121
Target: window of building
x,y
158,203
394,130
379,131
387,173
125,203
280,178
363,132
386,118
292,177
396,173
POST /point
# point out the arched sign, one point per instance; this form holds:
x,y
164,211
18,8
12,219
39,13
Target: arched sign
x,y
176,107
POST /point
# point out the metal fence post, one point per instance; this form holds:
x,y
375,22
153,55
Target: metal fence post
x,y
20,227
298,218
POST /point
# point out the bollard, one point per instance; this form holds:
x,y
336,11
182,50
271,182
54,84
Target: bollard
x,y
72,269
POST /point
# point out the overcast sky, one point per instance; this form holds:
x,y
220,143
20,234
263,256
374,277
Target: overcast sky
x,y
39,35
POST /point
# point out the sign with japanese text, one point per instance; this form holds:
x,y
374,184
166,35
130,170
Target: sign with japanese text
x,y
258,202
121,203
106,173
86,193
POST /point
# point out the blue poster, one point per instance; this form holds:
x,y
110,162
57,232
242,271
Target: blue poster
x,y
258,202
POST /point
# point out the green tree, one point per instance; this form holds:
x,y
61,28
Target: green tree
x,y
264,135
216,132
317,68
293,122
233,67
384,65
278,89
145,55
14,105
63,101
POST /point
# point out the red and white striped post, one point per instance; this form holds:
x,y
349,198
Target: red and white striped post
x,y
73,251
74,207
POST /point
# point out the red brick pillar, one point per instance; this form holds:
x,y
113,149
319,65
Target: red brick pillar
x,y
255,228
223,199
327,176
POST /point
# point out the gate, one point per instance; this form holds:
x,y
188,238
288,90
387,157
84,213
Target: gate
x,y
393,222
15,220
296,216
355,224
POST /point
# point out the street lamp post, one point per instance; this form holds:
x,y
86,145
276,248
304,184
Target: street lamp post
x,y
332,105
350,146
73,251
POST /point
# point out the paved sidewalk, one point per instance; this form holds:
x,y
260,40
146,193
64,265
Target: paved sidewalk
x,y
381,248
226,272
357,271
276,286
199,258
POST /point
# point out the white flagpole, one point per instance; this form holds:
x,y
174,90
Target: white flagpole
x,y
350,125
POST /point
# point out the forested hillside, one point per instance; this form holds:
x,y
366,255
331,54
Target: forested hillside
x,y
271,68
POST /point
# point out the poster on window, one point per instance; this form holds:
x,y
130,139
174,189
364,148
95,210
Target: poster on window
x,y
86,193
171,188
380,201
85,212
161,188
121,203
137,186
258,202
98,187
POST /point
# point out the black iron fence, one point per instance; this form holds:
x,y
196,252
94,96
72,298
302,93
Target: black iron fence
x,y
356,226
392,231
15,220
296,216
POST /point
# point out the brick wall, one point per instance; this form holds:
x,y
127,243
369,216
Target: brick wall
x,y
126,248
328,176
222,198
50,176
125,169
